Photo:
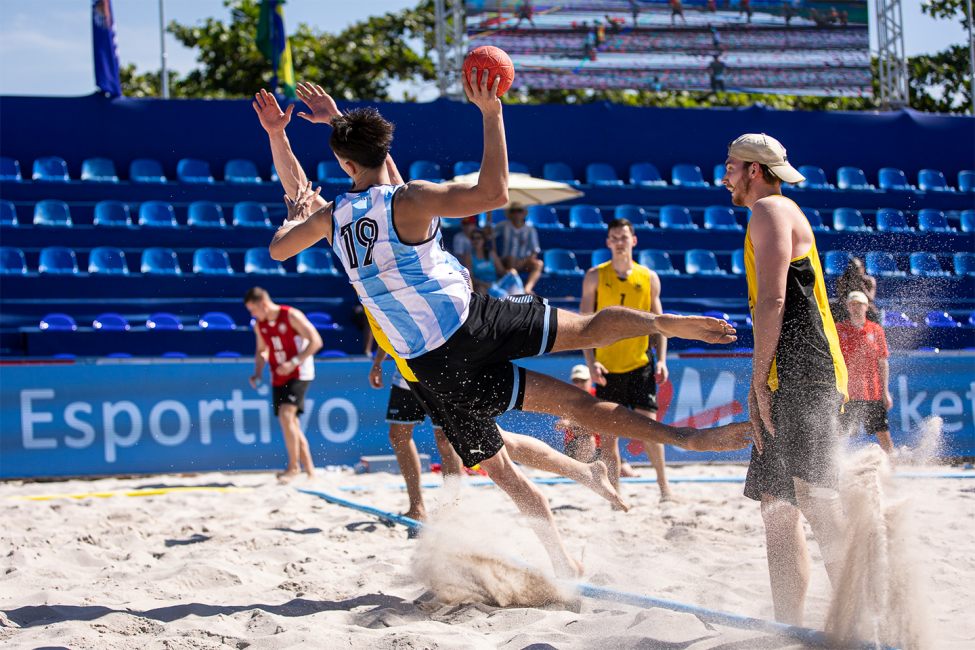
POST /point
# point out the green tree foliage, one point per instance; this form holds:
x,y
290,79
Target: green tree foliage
x,y
949,70
358,63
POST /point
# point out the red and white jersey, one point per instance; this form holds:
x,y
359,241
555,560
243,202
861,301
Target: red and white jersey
x,y
284,343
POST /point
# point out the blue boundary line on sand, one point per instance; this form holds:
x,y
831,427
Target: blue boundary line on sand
x,y
805,635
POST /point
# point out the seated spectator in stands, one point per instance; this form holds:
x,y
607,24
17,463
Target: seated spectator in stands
x,y
517,245
855,278
462,240
864,347
485,265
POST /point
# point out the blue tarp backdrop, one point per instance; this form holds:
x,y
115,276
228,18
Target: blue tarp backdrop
x,y
140,416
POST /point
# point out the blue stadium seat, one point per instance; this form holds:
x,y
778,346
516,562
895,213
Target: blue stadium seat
x,y
212,261
930,220
927,265
274,175
424,170
688,176
897,319
111,322
10,170
241,171
146,170
701,262
971,321
882,263
931,180
964,264
892,179
601,174
561,262
195,171
599,256
849,219
112,214
585,216
464,167
107,260
163,321
815,219
968,221
836,262
249,214
316,261
815,178
118,355
174,355
852,178
216,320
634,213
738,261
332,354
52,212
330,171
676,217
940,319
717,217
12,261
560,172
966,180
646,174
227,354
157,214
58,323
719,172
518,168
889,220
658,261
58,260
543,216
321,321
721,316
205,214
98,170
159,261
259,260
51,169
8,215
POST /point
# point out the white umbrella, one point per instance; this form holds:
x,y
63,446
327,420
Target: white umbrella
x,y
528,190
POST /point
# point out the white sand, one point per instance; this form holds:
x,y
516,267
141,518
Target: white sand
x,y
275,568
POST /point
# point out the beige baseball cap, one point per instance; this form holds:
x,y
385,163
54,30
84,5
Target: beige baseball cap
x,y
580,372
761,148
857,296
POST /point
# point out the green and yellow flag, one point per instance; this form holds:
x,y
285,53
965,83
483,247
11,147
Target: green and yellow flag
x,y
272,41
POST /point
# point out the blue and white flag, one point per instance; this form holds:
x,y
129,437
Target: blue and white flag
x,y
105,48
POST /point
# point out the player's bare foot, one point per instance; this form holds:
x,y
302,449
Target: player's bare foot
x,y
668,497
627,471
571,570
288,475
599,483
416,514
724,438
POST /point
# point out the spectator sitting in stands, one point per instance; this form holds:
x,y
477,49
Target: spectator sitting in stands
x,y
462,240
484,264
854,278
517,245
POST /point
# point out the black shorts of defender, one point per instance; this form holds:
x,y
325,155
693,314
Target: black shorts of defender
x,y
636,389
870,413
403,407
806,421
293,393
471,375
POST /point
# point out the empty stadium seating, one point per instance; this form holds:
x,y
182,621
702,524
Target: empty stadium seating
x,y
931,180
259,261
585,216
968,221
634,214
815,219
194,170
889,220
12,261
933,221
52,212
146,170
248,214
464,167
561,262
836,262
815,178
676,217
424,170
926,264
891,179
330,171
111,322
702,262
849,219
518,168
559,171
882,263
98,170
646,174
50,169
8,215
543,216
852,178
112,214
157,214
720,218
240,170
316,261
599,256
159,261
601,174
964,264
58,260
216,320
108,260
966,181
688,176
10,170
205,214
212,261
658,261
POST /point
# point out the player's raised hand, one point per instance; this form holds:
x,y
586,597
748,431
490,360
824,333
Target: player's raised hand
x,y
273,119
699,328
483,93
322,105
303,205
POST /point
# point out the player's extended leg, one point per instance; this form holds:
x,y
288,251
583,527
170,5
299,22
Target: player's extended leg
x,y
538,455
288,417
533,504
788,559
886,443
612,324
408,459
450,463
655,452
823,510
610,454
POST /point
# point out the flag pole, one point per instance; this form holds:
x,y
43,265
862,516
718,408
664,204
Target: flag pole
x,y
163,75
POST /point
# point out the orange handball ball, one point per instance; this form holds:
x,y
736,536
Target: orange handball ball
x,y
493,59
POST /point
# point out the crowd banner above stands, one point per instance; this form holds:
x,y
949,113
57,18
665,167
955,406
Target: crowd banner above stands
x,y
150,416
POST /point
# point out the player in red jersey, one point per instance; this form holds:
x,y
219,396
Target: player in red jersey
x,y
289,342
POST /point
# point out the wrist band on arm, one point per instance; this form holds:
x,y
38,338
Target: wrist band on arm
x,y
296,361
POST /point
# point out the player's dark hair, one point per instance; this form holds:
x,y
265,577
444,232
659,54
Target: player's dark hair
x,y
621,223
256,294
362,136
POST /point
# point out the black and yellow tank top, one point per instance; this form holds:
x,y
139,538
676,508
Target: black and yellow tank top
x,y
809,348
634,291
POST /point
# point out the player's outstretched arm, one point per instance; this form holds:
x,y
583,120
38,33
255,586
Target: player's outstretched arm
x,y
305,225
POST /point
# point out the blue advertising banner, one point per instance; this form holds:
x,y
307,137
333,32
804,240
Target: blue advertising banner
x,y
136,416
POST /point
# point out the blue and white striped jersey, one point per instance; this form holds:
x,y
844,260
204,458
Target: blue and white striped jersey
x,y
419,294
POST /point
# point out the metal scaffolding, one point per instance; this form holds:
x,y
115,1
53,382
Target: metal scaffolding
x,y
891,59
450,58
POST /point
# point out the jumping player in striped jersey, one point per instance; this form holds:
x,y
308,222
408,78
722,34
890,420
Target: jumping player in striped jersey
x,y
460,345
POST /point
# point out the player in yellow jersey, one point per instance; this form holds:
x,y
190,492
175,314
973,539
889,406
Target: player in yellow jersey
x,y
624,371
799,380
